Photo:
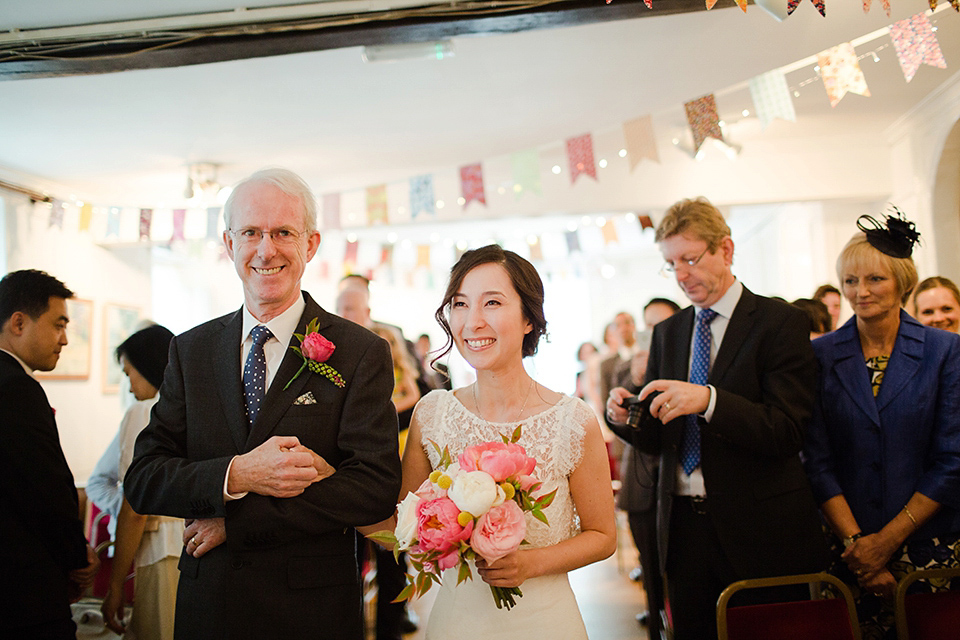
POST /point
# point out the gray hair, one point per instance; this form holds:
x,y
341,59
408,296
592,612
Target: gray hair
x,y
289,183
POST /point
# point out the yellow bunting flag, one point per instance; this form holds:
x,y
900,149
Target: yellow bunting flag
x,y
86,215
377,204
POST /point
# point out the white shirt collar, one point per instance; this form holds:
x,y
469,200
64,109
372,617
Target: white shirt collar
x,y
282,326
22,363
728,302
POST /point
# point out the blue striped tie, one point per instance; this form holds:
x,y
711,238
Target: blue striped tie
x,y
255,372
699,368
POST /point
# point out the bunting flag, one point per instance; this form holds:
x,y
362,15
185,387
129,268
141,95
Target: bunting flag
x,y
536,250
377,204
86,216
146,219
841,73
916,44
819,4
703,119
740,3
609,231
386,254
179,218
350,255
580,157
645,222
331,211
471,184
641,143
56,215
771,98
421,195
886,6
113,222
423,255
573,241
526,172
213,217
953,3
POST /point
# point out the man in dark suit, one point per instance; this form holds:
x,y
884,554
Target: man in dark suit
x,y
47,559
735,394
272,465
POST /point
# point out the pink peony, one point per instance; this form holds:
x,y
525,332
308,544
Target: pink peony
x,y
500,459
316,347
438,529
499,531
528,482
430,491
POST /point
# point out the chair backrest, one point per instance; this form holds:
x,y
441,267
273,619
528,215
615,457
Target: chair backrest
x,y
822,619
927,616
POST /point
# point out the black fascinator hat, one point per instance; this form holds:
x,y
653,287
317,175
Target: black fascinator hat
x,y
895,236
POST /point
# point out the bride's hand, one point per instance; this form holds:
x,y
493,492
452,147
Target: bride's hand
x,y
508,571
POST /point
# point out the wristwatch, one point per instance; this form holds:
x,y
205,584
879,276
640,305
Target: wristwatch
x,y
849,540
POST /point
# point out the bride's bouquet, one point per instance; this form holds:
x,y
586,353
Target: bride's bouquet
x,y
470,508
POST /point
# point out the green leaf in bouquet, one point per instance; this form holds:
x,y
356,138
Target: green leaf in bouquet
x,y
408,592
538,514
545,501
464,573
516,434
445,459
385,537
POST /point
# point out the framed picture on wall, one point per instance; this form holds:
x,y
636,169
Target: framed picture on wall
x,y
119,322
74,362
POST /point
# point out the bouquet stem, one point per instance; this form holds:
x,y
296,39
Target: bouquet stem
x,y
504,596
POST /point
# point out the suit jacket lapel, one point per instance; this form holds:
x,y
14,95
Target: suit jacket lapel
x,y
852,371
277,400
678,363
904,361
738,329
229,383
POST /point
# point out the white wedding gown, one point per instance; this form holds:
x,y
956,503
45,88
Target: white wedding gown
x,y
548,608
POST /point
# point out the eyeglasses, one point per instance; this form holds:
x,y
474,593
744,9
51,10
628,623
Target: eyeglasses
x,y
669,268
252,236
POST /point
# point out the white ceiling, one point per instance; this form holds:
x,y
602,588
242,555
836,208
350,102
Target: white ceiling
x,y
126,138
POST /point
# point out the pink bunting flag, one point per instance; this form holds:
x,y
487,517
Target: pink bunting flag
x,y
146,220
179,219
350,255
819,4
641,142
916,44
841,73
886,6
471,184
703,119
331,211
377,204
580,157
386,254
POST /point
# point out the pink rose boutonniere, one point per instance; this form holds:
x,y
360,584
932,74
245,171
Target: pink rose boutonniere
x,y
315,351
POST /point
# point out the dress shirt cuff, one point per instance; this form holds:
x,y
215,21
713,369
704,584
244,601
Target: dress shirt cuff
x,y
227,496
708,414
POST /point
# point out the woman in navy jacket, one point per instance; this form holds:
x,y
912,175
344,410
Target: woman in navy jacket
x,y
883,449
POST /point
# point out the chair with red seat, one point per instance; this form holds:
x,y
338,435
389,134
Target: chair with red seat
x,y
928,616
823,619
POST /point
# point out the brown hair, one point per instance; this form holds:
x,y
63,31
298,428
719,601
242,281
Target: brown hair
x,y
859,251
823,290
936,282
525,279
697,217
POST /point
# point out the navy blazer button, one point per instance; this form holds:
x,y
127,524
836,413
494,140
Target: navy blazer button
x,y
237,563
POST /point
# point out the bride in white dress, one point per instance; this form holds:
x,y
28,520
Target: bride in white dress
x,y
493,313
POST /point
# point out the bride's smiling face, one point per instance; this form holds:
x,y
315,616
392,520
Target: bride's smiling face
x,y
486,318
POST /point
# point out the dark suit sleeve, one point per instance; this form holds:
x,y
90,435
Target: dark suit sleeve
x,y
35,477
162,479
366,484
767,410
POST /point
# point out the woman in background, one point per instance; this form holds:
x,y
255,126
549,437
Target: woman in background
x,y
937,301
829,295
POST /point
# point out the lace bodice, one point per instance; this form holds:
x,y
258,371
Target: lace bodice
x,y
554,437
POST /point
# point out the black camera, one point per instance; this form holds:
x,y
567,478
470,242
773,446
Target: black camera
x,y
638,410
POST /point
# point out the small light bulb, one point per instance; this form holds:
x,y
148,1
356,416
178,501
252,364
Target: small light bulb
x,y
556,169
461,201
796,94
676,141
440,204
622,153
722,123
603,163
745,113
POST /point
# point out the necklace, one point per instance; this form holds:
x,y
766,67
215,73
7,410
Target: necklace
x,y
522,407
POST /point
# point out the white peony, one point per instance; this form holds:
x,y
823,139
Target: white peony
x,y
406,531
474,492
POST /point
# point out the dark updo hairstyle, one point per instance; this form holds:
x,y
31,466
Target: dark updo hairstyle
x,y
525,279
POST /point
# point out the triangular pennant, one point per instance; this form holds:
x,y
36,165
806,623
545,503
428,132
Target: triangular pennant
x,y
113,222
609,233
179,219
56,215
841,73
742,4
386,254
580,157
471,184
819,4
213,215
331,211
771,98
350,256
573,241
377,204
703,119
526,172
86,215
423,255
421,195
536,250
645,222
710,4
916,43
146,220
641,142
886,6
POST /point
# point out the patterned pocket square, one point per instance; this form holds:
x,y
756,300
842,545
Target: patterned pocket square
x,y
306,398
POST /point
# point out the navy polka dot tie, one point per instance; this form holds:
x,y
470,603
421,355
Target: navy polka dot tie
x,y
699,368
255,372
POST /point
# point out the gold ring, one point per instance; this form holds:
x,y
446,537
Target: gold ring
x,y
194,541
666,405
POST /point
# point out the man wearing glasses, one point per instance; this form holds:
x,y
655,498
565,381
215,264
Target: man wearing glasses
x,y
272,465
735,377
